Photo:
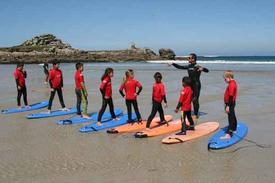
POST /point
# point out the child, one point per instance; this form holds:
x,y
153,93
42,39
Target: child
x,y
230,96
158,96
130,84
46,72
106,91
19,76
185,105
80,90
56,84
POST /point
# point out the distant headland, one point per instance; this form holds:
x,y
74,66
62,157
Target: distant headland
x,y
47,47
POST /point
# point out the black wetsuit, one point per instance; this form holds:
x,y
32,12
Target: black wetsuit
x,y
194,75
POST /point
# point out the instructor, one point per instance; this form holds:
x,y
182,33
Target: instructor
x,y
194,72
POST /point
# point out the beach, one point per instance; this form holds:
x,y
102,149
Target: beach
x,y
42,151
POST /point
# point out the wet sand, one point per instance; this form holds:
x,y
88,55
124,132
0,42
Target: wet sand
x,y
41,151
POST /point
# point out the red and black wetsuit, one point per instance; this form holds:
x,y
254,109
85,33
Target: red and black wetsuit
x,y
194,74
185,105
56,83
130,95
106,91
19,77
79,78
158,96
230,96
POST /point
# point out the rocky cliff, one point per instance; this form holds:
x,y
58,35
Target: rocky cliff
x,y
46,48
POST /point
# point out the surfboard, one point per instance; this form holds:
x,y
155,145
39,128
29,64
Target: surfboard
x,y
24,109
93,117
216,143
174,126
200,130
132,127
52,114
109,124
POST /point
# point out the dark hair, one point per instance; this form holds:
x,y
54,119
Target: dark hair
x,y
194,56
20,65
106,73
158,77
46,64
78,65
55,62
186,80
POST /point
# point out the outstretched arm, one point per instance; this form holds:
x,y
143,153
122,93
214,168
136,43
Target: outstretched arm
x,y
180,66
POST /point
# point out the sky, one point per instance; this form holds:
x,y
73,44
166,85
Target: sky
x,y
206,27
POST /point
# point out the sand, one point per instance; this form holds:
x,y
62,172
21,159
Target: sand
x,y
41,151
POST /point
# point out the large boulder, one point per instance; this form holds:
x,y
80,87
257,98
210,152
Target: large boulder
x,y
45,40
167,53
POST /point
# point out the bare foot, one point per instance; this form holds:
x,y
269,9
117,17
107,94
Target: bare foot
x,y
85,116
27,106
65,109
99,123
225,137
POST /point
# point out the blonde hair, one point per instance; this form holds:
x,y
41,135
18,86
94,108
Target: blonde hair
x,y
128,73
228,74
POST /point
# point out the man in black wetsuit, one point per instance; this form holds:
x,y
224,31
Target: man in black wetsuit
x,y
194,72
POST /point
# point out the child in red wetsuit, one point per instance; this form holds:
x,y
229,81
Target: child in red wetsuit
x,y
185,105
230,96
106,91
158,96
19,76
130,84
80,91
56,84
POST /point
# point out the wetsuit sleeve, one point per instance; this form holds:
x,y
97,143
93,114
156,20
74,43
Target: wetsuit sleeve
x,y
103,86
121,90
163,94
51,75
180,100
205,70
61,84
230,103
102,92
17,82
25,74
231,94
180,66
179,105
164,99
16,78
139,90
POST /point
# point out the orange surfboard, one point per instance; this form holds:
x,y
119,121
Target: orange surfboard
x,y
200,130
173,126
133,127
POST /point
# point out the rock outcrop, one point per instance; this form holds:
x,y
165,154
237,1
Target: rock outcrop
x,y
46,48
167,53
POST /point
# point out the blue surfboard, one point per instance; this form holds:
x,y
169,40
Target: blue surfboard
x,y
109,124
216,143
52,114
24,109
93,117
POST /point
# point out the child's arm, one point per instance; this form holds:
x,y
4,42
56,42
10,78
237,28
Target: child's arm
x,y
121,90
61,80
139,90
25,74
178,107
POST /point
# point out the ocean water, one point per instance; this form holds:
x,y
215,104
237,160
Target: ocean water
x,y
237,63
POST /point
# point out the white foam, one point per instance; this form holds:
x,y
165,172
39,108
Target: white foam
x,y
214,62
